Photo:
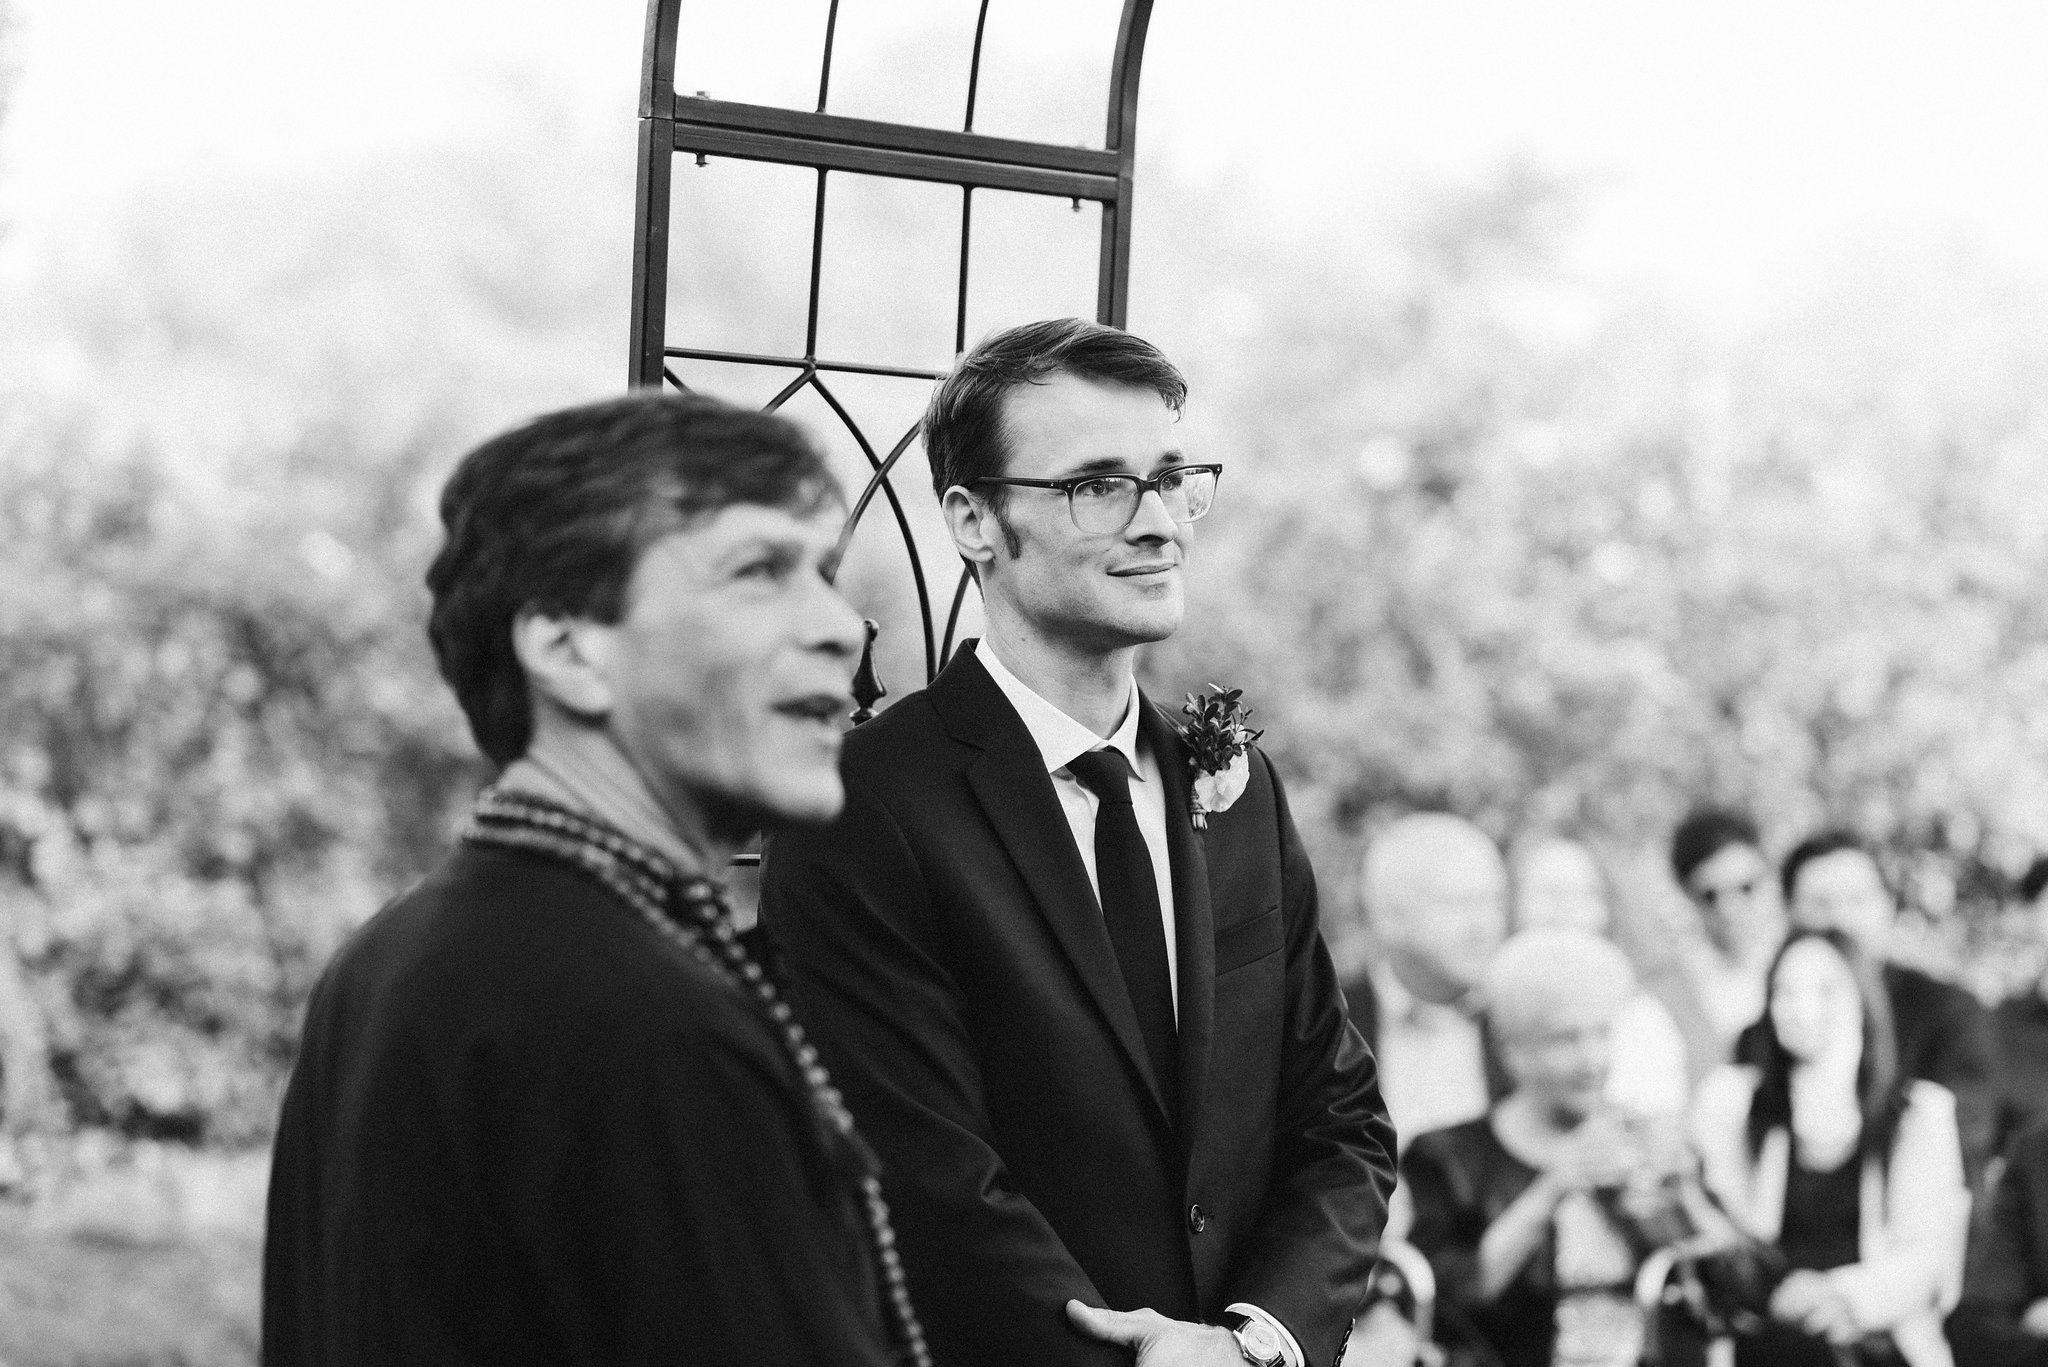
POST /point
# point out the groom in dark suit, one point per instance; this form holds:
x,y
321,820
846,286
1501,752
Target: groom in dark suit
x,y
1102,1052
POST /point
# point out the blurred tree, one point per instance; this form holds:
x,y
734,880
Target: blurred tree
x,y
1488,541
1491,546
222,740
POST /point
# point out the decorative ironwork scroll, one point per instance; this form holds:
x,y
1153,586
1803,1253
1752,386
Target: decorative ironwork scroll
x,y
827,144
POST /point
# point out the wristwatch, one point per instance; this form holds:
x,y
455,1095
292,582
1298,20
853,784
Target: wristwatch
x,y
1258,1341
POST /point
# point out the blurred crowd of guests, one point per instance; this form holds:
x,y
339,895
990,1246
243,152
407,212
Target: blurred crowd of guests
x,y
1865,1143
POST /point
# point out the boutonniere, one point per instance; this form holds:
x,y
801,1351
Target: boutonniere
x,y
1220,744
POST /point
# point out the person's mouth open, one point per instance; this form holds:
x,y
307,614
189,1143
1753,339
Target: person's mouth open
x,y
823,710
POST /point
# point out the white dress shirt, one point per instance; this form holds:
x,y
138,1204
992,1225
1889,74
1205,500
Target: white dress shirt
x,y
1432,1061
1060,739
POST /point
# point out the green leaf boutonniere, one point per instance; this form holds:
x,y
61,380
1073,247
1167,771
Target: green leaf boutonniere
x,y
1220,744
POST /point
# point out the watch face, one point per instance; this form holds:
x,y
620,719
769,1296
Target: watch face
x,y
1259,1340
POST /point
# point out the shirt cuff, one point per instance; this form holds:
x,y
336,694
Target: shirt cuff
x,y
1289,1349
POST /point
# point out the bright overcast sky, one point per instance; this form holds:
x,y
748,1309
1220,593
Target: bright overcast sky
x,y
1730,143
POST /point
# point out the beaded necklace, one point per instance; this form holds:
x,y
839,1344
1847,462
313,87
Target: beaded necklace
x,y
665,900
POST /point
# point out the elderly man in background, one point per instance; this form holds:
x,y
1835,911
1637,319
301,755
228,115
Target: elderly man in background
x,y
1831,881
1435,890
1435,893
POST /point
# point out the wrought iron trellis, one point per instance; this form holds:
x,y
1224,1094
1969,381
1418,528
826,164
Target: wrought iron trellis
x,y
827,143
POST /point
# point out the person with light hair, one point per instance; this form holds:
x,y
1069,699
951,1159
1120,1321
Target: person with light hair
x,y
1435,891
1525,1212
1558,884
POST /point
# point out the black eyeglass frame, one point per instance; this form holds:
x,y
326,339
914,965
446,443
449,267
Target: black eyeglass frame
x,y
1145,486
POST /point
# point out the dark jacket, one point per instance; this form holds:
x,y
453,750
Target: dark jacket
x,y
2008,1265
526,1128
951,958
1461,1179
2021,1024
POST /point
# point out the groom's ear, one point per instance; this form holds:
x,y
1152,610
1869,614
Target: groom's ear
x,y
974,525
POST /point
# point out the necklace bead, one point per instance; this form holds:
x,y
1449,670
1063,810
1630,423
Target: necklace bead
x,y
661,896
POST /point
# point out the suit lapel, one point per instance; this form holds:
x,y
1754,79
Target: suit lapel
x,y
1194,916
1016,794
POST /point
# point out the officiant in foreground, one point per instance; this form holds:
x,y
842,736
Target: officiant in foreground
x,y
1065,961
549,1107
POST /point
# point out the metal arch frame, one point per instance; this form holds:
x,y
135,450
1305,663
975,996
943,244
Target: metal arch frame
x,y
672,124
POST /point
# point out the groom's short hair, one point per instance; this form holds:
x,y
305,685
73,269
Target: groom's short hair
x,y
553,517
963,427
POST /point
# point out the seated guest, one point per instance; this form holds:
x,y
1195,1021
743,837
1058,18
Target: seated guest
x,y
549,1107
2002,1320
1436,899
1717,857
1435,891
1558,885
1831,882
1850,1169
1522,1211
2021,1023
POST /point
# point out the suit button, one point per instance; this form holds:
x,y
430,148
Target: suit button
x,y
1198,1219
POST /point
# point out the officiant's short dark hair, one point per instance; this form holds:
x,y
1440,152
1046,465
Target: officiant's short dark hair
x,y
963,426
554,515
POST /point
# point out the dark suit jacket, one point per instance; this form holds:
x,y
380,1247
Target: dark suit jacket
x,y
2008,1266
2021,1024
1945,1036
526,1129
952,962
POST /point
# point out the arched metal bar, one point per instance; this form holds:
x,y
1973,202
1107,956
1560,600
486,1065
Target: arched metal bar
x,y
966,257
817,260
825,66
967,191
974,67
953,616
1113,278
789,391
874,486
881,477
704,127
899,372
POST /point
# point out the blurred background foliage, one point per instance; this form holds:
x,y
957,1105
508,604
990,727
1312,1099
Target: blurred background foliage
x,y
1486,543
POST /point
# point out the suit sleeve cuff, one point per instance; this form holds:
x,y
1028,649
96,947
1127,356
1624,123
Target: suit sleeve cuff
x,y
1289,1349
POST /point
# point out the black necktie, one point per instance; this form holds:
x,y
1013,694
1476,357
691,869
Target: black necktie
x,y
1130,910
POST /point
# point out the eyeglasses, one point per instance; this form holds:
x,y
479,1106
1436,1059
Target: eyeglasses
x,y
1712,896
1107,503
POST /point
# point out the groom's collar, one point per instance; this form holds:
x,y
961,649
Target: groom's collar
x,y
1059,738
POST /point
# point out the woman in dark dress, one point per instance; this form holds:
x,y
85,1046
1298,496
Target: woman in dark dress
x,y
1853,1172
1517,1211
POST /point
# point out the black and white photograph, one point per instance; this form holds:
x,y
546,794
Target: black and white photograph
x,y
967,683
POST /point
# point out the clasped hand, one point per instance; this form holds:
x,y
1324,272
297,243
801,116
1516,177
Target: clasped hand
x,y
1159,1341
1810,1301
1601,1152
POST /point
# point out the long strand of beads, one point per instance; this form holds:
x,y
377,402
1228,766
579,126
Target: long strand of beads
x,y
650,885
